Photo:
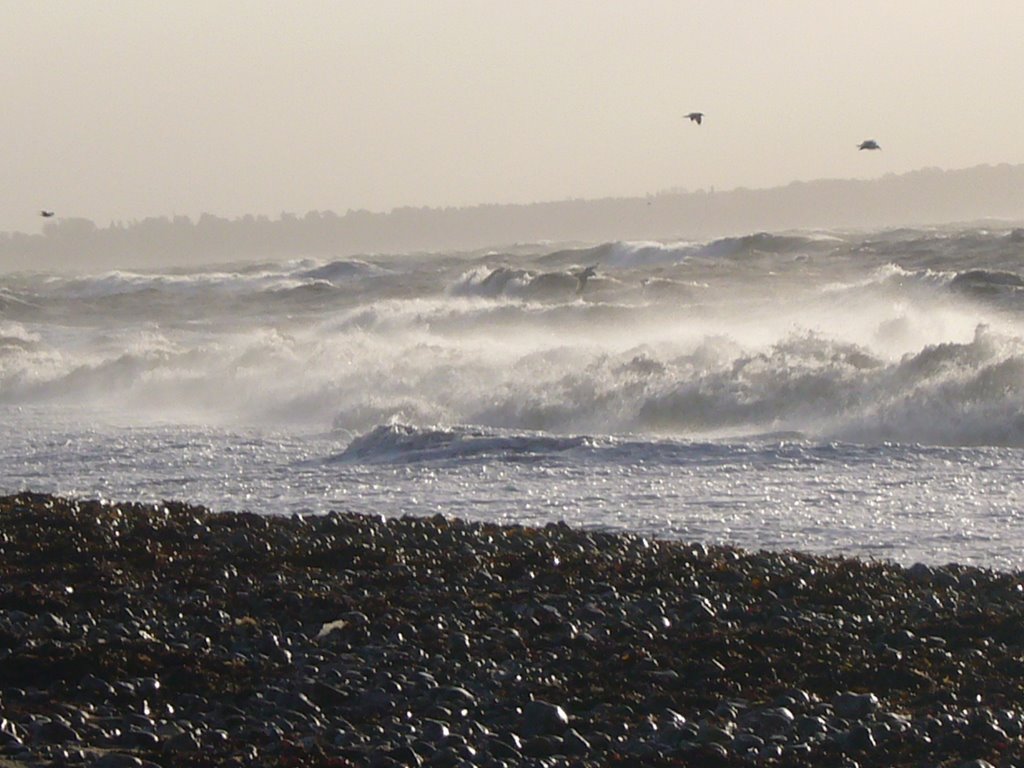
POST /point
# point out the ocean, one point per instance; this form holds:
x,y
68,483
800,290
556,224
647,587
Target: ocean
x,y
834,392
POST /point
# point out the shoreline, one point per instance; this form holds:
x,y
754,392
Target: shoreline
x,y
136,634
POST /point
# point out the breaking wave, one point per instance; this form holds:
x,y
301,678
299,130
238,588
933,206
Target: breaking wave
x,y
909,335
522,283
406,443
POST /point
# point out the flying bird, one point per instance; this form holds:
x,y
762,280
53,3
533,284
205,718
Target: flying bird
x,y
46,214
695,117
582,277
869,144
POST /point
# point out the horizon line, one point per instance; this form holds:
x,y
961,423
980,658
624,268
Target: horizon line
x,y
667,192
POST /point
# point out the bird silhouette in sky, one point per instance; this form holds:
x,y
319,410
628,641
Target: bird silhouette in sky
x,y
696,117
869,144
46,214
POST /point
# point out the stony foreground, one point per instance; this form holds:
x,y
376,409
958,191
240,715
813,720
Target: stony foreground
x,y
170,635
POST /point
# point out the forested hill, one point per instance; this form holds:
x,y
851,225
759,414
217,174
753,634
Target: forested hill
x,y
928,196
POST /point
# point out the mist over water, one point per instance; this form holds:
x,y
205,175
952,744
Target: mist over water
x,y
909,336
873,380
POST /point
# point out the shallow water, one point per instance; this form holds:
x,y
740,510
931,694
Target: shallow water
x,y
833,392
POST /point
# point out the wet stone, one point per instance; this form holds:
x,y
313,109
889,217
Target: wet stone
x,y
920,573
505,750
117,760
454,695
543,746
406,756
140,739
446,757
747,741
191,637
541,718
769,722
713,734
434,731
809,726
851,706
56,732
183,743
574,744
771,751
858,738
715,751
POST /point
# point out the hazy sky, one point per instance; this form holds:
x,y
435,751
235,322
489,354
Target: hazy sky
x,y
121,110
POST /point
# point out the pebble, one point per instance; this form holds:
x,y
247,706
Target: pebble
x,y
541,718
180,635
852,706
117,760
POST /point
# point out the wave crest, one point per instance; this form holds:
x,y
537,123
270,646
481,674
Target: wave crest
x,y
398,443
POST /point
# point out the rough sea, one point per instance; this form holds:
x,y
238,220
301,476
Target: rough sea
x,y
834,392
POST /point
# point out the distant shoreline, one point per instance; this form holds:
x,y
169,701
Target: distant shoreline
x,y
923,197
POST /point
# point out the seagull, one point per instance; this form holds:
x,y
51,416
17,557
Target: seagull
x,y
695,117
46,214
582,277
869,144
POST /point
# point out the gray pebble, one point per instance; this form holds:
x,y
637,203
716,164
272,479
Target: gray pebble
x,y
541,719
853,706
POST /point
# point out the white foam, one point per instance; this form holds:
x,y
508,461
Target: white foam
x,y
859,393
658,343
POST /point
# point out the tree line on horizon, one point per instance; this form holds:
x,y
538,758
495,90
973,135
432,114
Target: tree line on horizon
x,y
927,196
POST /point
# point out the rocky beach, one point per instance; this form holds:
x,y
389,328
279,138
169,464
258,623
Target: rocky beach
x,y
172,635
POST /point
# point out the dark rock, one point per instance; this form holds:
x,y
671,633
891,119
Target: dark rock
x,y
140,739
445,757
852,706
182,744
858,739
713,734
746,742
405,756
453,694
542,746
117,760
574,744
56,732
504,750
434,731
190,637
810,725
541,719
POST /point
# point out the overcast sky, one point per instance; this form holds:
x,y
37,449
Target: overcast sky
x,y
121,110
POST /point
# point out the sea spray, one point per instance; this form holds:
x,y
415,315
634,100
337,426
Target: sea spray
x,y
834,391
